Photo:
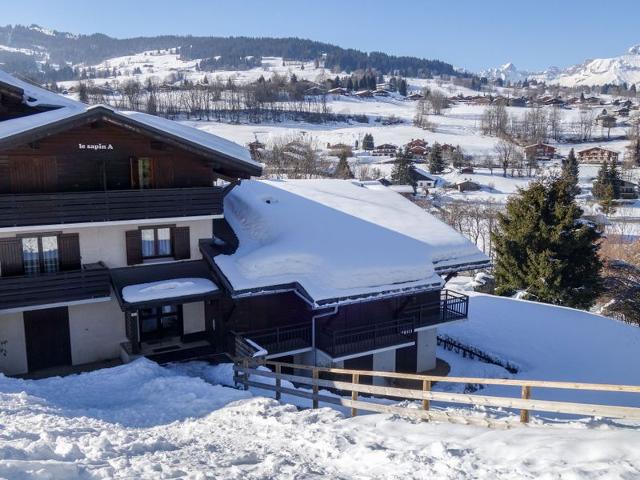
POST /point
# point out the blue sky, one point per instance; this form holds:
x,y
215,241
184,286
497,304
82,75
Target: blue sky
x,y
470,34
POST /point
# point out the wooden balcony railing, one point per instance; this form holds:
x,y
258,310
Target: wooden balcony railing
x,y
275,340
347,341
91,281
110,205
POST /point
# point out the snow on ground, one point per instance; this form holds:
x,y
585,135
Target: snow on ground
x,y
548,342
145,421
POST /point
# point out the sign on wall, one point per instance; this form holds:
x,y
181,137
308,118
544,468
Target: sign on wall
x,y
95,146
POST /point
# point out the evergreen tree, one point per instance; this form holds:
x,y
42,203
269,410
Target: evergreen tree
x,y
342,169
367,142
570,171
436,161
402,172
544,249
402,87
83,92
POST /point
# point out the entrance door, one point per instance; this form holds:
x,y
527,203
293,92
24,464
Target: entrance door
x,y
47,338
160,322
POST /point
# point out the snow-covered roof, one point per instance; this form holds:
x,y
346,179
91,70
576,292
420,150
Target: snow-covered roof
x,y
36,96
70,109
338,240
173,288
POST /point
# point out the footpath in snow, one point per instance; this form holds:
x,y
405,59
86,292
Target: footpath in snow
x,y
145,421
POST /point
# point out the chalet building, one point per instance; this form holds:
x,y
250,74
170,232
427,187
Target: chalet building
x,y
364,93
384,150
628,190
467,186
125,235
423,178
381,93
418,152
338,91
415,96
540,151
597,155
417,142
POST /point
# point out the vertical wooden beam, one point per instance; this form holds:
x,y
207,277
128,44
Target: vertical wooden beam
x,y
278,381
314,374
526,395
426,387
355,379
245,376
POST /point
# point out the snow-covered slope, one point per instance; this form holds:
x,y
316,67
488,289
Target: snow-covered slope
x,y
148,422
507,72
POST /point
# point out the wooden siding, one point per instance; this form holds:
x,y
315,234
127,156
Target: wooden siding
x,y
81,207
92,281
57,163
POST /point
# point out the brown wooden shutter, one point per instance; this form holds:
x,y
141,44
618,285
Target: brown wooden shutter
x,y
134,247
181,243
69,251
11,257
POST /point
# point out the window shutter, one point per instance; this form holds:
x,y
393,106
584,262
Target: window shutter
x,y
134,247
181,243
69,251
11,257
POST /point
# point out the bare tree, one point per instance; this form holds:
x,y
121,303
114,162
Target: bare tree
x,y
507,154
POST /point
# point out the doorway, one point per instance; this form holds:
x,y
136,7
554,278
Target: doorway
x,y
47,338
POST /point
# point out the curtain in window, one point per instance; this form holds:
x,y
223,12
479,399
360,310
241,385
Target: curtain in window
x,y
50,254
164,242
30,256
148,242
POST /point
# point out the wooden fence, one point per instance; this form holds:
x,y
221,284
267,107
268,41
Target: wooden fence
x,y
246,371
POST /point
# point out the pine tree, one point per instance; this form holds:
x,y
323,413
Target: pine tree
x,y
436,162
544,249
402,87
402,172
342,169
570,171
367,142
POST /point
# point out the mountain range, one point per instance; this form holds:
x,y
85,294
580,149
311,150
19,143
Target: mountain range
x,y
592,72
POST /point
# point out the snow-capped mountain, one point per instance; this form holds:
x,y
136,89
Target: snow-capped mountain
x,y
600,71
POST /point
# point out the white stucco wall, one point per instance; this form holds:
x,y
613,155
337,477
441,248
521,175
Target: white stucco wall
x,y
426,341
12,330
96,331
106,243
384,362
193,317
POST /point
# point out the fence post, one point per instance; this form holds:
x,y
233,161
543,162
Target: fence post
x,y
315,387
245,376
526,395
355,378
278,381
426,387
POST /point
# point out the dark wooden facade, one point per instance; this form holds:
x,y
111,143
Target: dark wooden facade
x,y
98,156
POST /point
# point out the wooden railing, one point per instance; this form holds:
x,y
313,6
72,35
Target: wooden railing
x,y
345,341
110,205
91,281
246,372
281,339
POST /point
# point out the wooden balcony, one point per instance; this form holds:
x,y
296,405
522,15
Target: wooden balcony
x,y
91,281
17,210
339,342
277,340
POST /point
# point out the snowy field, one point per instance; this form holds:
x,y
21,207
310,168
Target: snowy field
x,y
145,421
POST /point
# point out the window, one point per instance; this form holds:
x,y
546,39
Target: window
x,y
160,322
40,254
156,242
141,172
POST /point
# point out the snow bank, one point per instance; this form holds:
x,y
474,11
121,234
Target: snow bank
x,y
336,238
547,342
180,287
149,422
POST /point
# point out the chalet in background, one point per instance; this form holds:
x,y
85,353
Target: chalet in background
x,y
597,155
126,235
540,151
